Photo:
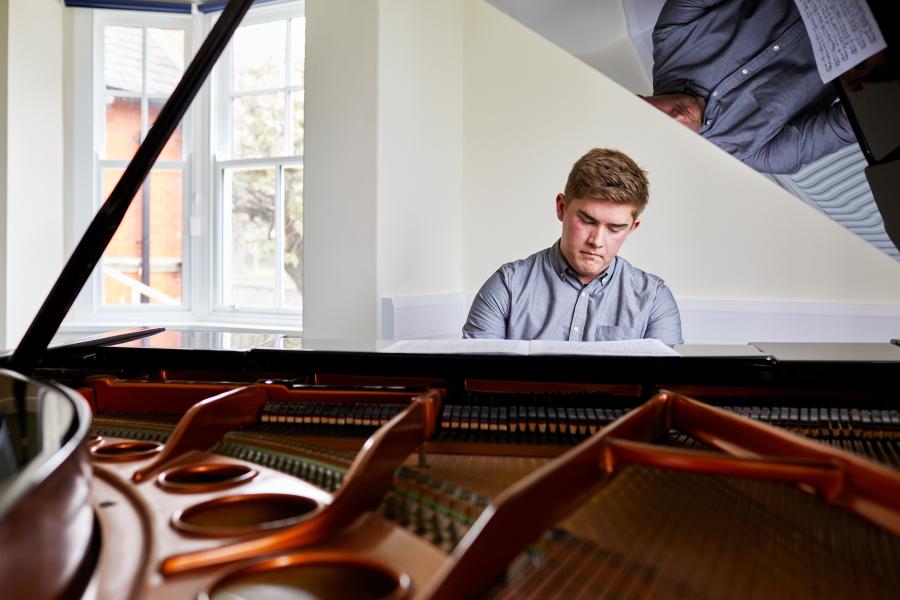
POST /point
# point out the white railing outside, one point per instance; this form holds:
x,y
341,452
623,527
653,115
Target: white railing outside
x,y
137,288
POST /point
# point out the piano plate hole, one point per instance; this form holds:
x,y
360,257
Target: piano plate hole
x,y
320,576
243,514
205,477
125,451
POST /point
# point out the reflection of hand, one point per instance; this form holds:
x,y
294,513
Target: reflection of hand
x,y
868,71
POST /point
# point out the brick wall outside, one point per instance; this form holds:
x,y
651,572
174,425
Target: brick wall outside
x,y
166,209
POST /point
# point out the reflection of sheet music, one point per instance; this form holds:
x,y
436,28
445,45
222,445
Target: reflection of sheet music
x,y
843,34
618,348
459,346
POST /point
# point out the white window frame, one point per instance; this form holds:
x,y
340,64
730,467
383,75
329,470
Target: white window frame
x,y
202,275
104,19
222,161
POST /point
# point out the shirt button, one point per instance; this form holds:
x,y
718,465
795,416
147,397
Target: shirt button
x,y
715,94
575,329
776,48
744,71
708,121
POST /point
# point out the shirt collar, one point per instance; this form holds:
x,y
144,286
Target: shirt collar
x,y
561,268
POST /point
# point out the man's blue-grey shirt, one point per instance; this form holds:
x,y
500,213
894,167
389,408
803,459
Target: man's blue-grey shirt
x,y
754,63
541,298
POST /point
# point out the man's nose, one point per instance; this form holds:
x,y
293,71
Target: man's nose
x,y
596,239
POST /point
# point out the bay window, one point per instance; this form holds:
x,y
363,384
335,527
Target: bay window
x,y
216,232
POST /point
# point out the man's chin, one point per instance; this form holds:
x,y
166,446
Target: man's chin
x,y
590,270
592,266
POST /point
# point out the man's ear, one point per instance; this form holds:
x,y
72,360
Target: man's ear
x,y
636,224
560,206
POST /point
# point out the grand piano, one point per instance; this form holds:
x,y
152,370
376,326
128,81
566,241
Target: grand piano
x,y
199,464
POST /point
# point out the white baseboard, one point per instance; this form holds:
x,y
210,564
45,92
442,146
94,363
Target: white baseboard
x,y
432,316
704,321
741,321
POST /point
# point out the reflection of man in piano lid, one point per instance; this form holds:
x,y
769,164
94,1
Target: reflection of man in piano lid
x,y
579,289
687,109
743,75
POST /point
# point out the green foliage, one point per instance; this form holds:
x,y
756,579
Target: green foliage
x,y
259,131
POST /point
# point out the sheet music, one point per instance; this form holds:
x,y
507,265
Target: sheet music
x,y
648,347
459,346
462,346
843,34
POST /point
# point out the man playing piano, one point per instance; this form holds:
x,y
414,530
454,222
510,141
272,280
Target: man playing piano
x,y
579,289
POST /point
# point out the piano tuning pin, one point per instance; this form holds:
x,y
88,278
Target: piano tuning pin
x,y
452,532
389,508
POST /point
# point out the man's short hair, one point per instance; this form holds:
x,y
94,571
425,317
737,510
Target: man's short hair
x,y
608,174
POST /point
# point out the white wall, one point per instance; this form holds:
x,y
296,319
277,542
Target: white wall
x,y
714,229
420,146
4,59
339,279
383,158
32,152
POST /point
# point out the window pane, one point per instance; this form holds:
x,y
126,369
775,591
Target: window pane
x,y
123,58
259,56
122,260
293,237
258,125
175,145
165,59
297,123
166,234
298,50
123,127
126,278
250,263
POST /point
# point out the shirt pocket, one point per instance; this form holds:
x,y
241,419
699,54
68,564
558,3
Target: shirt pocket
x,y
611,333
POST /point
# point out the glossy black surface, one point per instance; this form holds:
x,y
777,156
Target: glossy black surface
x,y
243,356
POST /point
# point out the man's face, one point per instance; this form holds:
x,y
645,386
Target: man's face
x,y
684,108
592,232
